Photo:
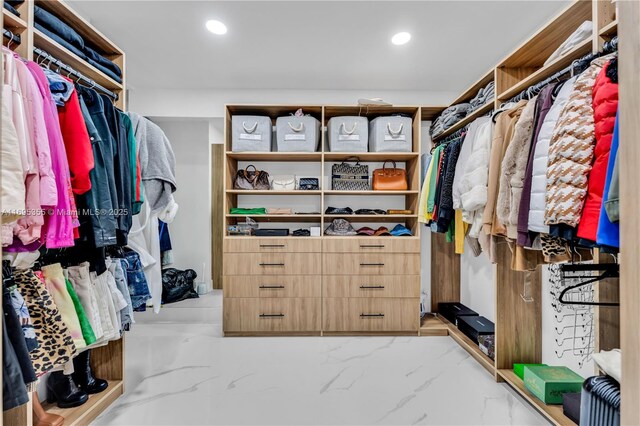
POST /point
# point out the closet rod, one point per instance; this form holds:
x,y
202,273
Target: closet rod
x,y
13,38
61,65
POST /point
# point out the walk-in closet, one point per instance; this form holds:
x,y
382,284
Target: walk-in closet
x,y
320,212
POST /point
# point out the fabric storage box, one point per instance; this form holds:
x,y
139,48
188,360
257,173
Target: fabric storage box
x,y
518,369
251,133
390,134
475,326
548,384
348,134
297,134
451,311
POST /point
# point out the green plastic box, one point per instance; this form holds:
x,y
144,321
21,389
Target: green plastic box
x,y
519,369
549,383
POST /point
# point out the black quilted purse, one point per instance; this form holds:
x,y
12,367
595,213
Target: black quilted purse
x,y
308,184
347,177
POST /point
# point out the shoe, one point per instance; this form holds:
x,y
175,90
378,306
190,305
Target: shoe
x,y
62,390
338,210
83,376
41,417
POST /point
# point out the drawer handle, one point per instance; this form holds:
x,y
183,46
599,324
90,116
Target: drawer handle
x,y
371,315
271,315
272,245
364,287
371,245
272,264
271,286
372,264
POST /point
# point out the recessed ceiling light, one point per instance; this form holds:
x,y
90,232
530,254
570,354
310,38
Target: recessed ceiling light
x,y
401,38
216,27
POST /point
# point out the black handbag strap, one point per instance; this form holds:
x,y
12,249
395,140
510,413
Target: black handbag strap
x,y
384,165
249,178
352,157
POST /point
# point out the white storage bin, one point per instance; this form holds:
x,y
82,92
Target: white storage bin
x,y
297,134
390,134
348,134
251,133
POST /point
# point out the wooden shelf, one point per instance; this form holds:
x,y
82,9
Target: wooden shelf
x,y
429,113
270,192
88,32
275,156
86,413
484,109
359,218
432,326
278,217
473,90
553,413
547,71
368,111
469,345
610,29
371,156
12,21
359,193
58,51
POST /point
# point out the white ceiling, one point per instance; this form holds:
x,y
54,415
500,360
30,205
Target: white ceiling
x,y
314,44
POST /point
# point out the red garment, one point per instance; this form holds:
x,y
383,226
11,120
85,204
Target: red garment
x,y
77,144
605,105
138,197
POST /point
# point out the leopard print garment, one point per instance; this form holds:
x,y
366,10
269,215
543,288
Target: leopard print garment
x,y
56,345
554,249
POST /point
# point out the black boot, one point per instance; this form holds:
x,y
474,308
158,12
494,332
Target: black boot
x,y
62,389
83,376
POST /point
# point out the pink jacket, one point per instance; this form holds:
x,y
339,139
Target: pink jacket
x,y
58,229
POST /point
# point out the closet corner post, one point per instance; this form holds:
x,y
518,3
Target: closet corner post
x,y
629,155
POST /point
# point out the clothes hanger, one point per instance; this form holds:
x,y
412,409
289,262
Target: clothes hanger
x,y
609,270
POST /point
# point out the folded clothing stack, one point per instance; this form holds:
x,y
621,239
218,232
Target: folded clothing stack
x,y
10,6
483,96
63,34
448,118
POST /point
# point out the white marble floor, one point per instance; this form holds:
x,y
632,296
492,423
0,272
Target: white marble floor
x,y
187,374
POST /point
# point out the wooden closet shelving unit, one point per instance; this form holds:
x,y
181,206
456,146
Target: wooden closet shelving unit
x,y
518,323
107,361
322,285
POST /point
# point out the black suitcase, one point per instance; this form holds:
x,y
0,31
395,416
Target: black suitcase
x,y
272,232
452,310
475,326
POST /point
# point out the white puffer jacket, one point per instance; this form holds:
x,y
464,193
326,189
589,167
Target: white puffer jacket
x,y
540,160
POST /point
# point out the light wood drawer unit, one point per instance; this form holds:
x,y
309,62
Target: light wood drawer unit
x,y
371,286
370,314
273,286
272,245
272,314
371,264
272,264
371,245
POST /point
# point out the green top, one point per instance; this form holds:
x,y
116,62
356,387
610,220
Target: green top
x,y
253,211
433,178
137,197
85,325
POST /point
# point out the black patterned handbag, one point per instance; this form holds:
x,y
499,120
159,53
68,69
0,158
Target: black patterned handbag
x,y
308,184
347,177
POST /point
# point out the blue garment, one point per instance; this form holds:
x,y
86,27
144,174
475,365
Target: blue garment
x,y
609,232
64,43
103,64
165,238
61,89
136,281
55,25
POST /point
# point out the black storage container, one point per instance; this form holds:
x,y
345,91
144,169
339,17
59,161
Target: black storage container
x,y
475,326
571,406
272,232
452,310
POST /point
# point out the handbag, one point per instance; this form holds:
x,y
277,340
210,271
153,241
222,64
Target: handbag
x,y
308,184
347,177
251,179
390,179
284,183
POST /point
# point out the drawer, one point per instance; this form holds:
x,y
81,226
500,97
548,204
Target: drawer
x,y
272,264
272,286
269,314
272,245
371,245
371,286
371,264
371,314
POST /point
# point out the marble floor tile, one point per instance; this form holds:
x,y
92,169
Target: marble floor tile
x,y
187,374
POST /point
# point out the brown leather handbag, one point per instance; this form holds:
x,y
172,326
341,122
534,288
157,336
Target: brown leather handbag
x,y
390,179
252,179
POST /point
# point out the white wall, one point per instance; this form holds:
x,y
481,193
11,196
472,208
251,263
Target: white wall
x,y
477,288
210,103
191,229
